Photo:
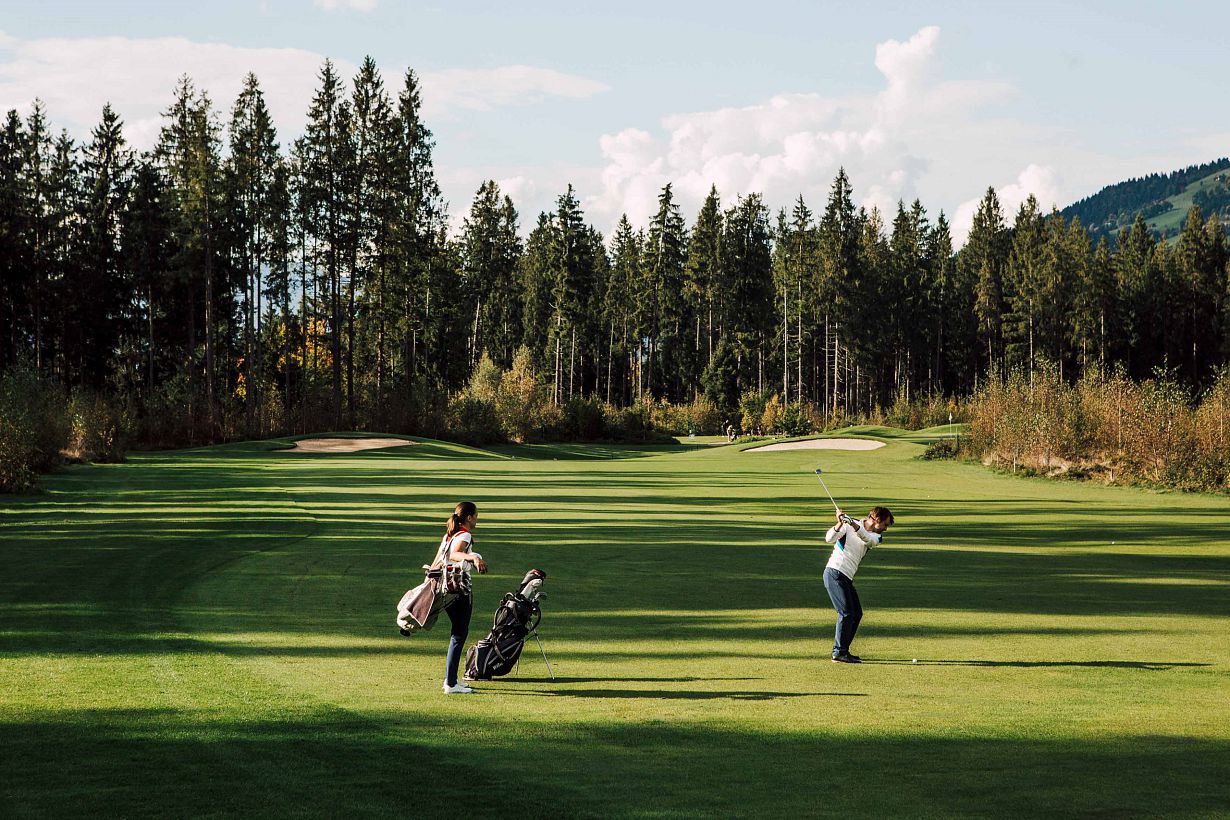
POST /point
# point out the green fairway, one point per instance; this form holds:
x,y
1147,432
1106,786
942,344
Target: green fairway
x,y
211,633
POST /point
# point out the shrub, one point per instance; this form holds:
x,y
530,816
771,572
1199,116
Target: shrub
x,y
751,409
943,449
99,428
584,419
18,450
704,417
633,423
473,421
1212,431
523,403
1106,425
671,419
799,419
33,428
485,382
773,417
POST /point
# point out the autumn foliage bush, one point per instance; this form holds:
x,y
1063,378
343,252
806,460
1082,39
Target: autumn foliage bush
x,y
1152,432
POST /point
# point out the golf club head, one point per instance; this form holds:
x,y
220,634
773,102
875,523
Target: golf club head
x,y
826,488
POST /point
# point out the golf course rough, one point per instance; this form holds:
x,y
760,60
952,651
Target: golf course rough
x,y
210,633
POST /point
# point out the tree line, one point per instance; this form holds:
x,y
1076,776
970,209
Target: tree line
x,y
225,285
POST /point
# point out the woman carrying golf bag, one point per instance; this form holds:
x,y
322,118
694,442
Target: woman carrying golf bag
x,y
456,554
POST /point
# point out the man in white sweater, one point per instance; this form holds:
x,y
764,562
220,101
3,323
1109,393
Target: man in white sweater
x,y
850,539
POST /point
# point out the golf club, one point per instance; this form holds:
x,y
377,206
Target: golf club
x,y
844,517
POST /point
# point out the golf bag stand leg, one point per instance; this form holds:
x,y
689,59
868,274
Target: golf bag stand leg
x,y
544,655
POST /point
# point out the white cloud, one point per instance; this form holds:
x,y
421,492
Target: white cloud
x,y
1040,181
793,144
346,5
484,89
908,68
75,77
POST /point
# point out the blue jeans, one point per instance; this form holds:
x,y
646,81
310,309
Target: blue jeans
x,y
849,611
459,612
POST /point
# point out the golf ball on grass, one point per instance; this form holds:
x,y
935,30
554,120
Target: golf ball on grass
x,y
914,661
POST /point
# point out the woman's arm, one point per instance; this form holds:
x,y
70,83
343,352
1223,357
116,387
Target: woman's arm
x,y
462,553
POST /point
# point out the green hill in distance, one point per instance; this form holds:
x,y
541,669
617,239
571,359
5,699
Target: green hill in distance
x,y
1162,199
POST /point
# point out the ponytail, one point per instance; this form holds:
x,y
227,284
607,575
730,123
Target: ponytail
x,y
456,521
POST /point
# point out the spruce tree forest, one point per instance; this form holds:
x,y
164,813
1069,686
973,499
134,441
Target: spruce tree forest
x,y
228,284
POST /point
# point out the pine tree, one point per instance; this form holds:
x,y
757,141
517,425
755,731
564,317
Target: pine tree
x,y
705,283
747,260
44,218
1023,279
421,215
1200,259
900,295
250,177
188,156
868,334
1095,305
15,251
665,260
369,149
840,229
102,294
147,243
536,274
280,244
63,245
796,273
620,313
949,334
1136,345
490,251
572,290
322,151
981,261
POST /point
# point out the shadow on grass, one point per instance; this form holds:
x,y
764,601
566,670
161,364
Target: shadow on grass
x,y
678,694
324,763
620,679
1154,666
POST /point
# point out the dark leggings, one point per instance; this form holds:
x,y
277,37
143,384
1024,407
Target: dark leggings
x,y
458,612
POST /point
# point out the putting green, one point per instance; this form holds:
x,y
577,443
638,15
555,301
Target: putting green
x,y
210,632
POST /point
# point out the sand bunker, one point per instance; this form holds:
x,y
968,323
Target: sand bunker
x,y
346,445
820,444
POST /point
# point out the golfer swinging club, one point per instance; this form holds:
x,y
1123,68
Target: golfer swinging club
x,y
850,539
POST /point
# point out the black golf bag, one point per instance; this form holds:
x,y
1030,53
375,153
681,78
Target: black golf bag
x,y
515,619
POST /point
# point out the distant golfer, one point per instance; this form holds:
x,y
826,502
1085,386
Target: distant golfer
x,y
850,539
456,548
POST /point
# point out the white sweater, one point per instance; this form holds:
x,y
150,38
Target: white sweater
x,y
850,543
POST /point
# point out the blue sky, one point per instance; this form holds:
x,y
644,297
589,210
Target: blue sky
x,y
934,101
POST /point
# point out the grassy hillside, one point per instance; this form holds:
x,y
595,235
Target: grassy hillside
x,y
1163,200
210,634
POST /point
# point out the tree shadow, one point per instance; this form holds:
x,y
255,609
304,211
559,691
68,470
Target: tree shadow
x,y
677,694
614,679
322,762
1153,666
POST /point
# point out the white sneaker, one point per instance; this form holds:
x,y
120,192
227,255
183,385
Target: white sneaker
x,y
459,689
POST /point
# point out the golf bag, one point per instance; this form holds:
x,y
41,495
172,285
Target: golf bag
x,y
420,607
515,619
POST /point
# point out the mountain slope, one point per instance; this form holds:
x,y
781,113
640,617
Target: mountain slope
x,y
1162,199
